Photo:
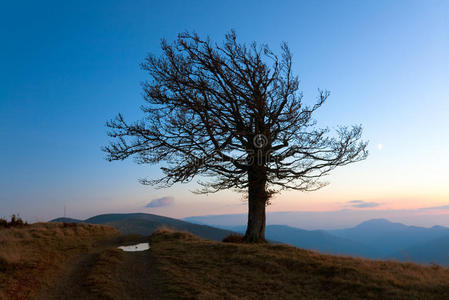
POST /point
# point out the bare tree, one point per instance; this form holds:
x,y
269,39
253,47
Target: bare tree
x,y
232,113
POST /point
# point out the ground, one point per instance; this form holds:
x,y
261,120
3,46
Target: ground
x,y
68,261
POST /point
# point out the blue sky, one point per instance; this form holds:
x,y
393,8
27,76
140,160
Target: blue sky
x,y
67,67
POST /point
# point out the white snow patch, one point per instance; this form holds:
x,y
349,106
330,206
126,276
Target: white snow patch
x,y
136,247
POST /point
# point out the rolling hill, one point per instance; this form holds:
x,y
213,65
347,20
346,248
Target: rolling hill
x,y
145,224
66,220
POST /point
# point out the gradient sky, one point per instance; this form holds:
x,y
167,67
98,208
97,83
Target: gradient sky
x,y
66,68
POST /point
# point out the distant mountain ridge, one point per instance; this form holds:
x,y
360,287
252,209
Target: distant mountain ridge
x,y
317,240
375,238
387,238
435,251
67,220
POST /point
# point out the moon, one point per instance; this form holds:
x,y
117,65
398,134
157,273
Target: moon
x,y
380,147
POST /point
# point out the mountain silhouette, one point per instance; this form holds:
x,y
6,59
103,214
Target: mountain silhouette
x,y
385,237
146,224
432,252
375,238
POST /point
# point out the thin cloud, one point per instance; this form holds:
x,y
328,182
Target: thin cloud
x,y
161,202
435,207
362,204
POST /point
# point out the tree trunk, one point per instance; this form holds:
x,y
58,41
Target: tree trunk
x,y
257,199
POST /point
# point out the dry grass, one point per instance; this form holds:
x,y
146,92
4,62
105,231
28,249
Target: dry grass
x,y
102,278
200,269
180,265
31,255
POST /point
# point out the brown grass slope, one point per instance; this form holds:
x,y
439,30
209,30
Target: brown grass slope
x,y
193,268
69,261
31,256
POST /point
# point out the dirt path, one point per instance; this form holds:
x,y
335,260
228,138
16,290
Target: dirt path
x,y
69,283
134,274
138,275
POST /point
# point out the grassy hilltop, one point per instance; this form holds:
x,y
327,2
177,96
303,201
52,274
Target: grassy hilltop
x,y
200,269
31,256
81,261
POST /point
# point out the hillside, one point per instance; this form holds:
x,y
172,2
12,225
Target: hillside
x,y
31,256
81,261
195,268
146,224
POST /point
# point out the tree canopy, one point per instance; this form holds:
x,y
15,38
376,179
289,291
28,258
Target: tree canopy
x,y
234,114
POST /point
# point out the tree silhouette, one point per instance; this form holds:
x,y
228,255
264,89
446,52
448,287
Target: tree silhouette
x,y
231,113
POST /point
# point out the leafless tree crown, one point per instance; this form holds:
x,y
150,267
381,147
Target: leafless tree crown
x,y
224,110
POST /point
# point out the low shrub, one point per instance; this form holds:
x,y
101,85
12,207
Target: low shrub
x,y
15,221
233,238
